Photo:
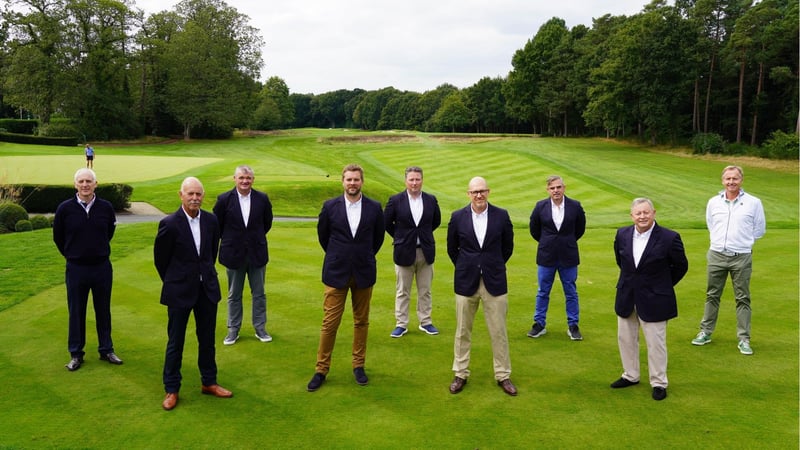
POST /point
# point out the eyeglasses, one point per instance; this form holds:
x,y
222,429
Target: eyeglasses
x,y
480,192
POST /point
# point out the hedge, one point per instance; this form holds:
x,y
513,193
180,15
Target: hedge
x,y
45,199
40,140
18,126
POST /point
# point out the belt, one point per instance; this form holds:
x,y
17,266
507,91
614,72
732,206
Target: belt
x,y
729,253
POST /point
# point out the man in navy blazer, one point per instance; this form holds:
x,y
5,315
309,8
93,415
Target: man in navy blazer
x,y
350,230
556,224
411,217
245,218
184,253
480,240
652,261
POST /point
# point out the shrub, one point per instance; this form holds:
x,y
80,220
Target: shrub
x,y
23,225
781,145
20,126
703,143
58,129
740,148
38,140
40,222
11,213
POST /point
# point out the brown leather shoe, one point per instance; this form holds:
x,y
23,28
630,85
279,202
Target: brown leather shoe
x,y
508,387
457,385
170,401
217,391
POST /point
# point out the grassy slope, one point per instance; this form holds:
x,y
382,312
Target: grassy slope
x,y
718,398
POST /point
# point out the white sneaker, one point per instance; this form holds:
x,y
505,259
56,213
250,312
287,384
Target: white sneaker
x,y
231,338
701,339
263,336
744,348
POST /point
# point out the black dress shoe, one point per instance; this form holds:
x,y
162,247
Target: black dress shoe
x,y
659,393
316,382
74,363
508,387
623,383
457,385
112,358
361,376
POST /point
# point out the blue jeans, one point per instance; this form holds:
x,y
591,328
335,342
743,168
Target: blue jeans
x,y
568,276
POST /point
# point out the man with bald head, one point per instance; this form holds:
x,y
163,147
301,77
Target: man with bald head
x,y
480,240
184,253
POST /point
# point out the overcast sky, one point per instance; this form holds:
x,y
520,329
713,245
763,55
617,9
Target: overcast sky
x,y
318,46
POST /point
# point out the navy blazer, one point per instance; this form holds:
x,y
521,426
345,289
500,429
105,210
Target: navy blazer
x,y
650,286
400,226
347,256
243,244
179,265
557,247
473,262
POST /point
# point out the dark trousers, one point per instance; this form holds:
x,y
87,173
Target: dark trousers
x,y
205,318
79,280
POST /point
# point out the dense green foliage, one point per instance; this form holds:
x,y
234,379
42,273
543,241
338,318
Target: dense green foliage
x,y
10,214
23,225
661,75
703,143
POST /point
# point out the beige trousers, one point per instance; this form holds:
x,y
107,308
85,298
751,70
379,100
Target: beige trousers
x,y
655,335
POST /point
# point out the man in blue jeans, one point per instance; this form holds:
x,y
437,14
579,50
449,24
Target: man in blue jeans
x,y
556,224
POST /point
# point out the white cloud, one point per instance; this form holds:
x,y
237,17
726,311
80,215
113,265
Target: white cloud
x,y
318,46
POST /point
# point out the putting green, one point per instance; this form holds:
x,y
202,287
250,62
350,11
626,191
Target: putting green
x,y
110,169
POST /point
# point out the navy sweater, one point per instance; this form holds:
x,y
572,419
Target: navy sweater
x,y
84,238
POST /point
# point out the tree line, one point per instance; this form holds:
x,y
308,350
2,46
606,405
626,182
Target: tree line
x,y
103,69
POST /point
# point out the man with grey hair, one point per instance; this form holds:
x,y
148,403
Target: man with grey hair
x,y
245,218
185,253
83,227
735,221
651,261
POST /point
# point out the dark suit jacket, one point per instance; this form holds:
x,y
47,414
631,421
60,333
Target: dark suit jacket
x,y
649,286
346,256
178,263
400,226
473,262
557,247
243,244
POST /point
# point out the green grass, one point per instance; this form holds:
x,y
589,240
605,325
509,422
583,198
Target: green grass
x,y
717,397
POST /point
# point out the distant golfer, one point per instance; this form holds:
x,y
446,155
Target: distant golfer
x,y
89,156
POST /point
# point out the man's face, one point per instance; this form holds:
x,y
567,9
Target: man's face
x,y
643,217
85,185
244,182
192,198
479,195
732,182
414,183
351,181
555,189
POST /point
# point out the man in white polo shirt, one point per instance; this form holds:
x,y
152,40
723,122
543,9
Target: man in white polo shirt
x,y
735,220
